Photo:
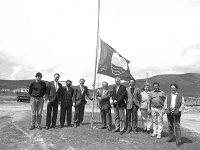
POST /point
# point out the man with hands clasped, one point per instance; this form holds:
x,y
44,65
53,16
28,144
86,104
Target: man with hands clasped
x,y
174,105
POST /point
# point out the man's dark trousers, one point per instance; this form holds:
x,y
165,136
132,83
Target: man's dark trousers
x,y
171,124
132,118
78,114
67,109
52,105
106,117
82,110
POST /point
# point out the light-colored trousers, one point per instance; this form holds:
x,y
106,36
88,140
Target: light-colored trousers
x,y
146,119
36,108
157,119
120,122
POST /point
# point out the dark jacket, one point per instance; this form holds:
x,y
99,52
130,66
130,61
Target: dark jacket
x,y
104,99
67,97
51,93
177,104
79,97
119,96
133,99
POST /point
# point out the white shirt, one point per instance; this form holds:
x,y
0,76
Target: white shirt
x,y
145,99
117,88
82,88
173,100
56,85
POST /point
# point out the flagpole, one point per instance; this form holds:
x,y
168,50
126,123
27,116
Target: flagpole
x,y
97,48
146,77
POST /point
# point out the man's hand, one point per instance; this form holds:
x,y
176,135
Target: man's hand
x,y
114,101
163,111
47,100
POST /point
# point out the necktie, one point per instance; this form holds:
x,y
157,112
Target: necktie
x,y
56,87
132,90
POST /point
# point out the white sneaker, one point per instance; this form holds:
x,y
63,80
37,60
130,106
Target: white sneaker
x,y
154,134
158,136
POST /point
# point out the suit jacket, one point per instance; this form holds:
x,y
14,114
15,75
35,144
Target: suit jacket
x,y
79,97
51,92
133,99
104,98
67,96
119,96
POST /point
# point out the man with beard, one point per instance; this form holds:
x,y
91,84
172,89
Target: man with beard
x,y
66,104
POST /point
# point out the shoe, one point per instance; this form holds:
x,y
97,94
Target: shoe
x,y
52,126
128,131
169,139
121,132
61,126
39,127
109,129
75,125
144,130
135,131
178,144
47,127
115,130
32,127
158,136
103,127
69,125
148,132
153,135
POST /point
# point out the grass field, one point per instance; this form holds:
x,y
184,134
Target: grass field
x,y
16,135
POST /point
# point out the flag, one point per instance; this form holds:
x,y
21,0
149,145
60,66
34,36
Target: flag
x,y
112,64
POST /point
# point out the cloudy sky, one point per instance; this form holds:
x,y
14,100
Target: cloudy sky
x,y
157,36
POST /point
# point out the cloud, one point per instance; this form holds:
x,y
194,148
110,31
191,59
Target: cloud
x,y
14,68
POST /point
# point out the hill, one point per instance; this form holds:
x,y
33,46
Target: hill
x,y
189,84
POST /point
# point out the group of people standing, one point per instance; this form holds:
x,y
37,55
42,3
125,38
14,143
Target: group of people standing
x,y
54,93
153,104
126,101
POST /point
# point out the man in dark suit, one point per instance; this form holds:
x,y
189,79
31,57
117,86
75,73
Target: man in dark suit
x,y
79,97
66,104
103,96
119,96
54,95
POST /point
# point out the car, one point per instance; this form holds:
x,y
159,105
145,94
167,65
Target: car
x,y
23,97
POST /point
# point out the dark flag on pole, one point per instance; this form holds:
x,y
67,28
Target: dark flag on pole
x,y
112,64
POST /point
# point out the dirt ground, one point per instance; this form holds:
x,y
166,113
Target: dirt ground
x,y
15,121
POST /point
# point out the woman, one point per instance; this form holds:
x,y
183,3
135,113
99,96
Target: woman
x,y
174,105
145,108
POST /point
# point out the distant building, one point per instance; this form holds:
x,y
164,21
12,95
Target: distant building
x,y
24,90
5,90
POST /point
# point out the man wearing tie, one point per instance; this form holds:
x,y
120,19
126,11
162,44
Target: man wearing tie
x,y
103,96
54,95
79,97
66,104
119,96
132,106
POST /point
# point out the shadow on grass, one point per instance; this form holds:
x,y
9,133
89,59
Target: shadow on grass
x,y
186,140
